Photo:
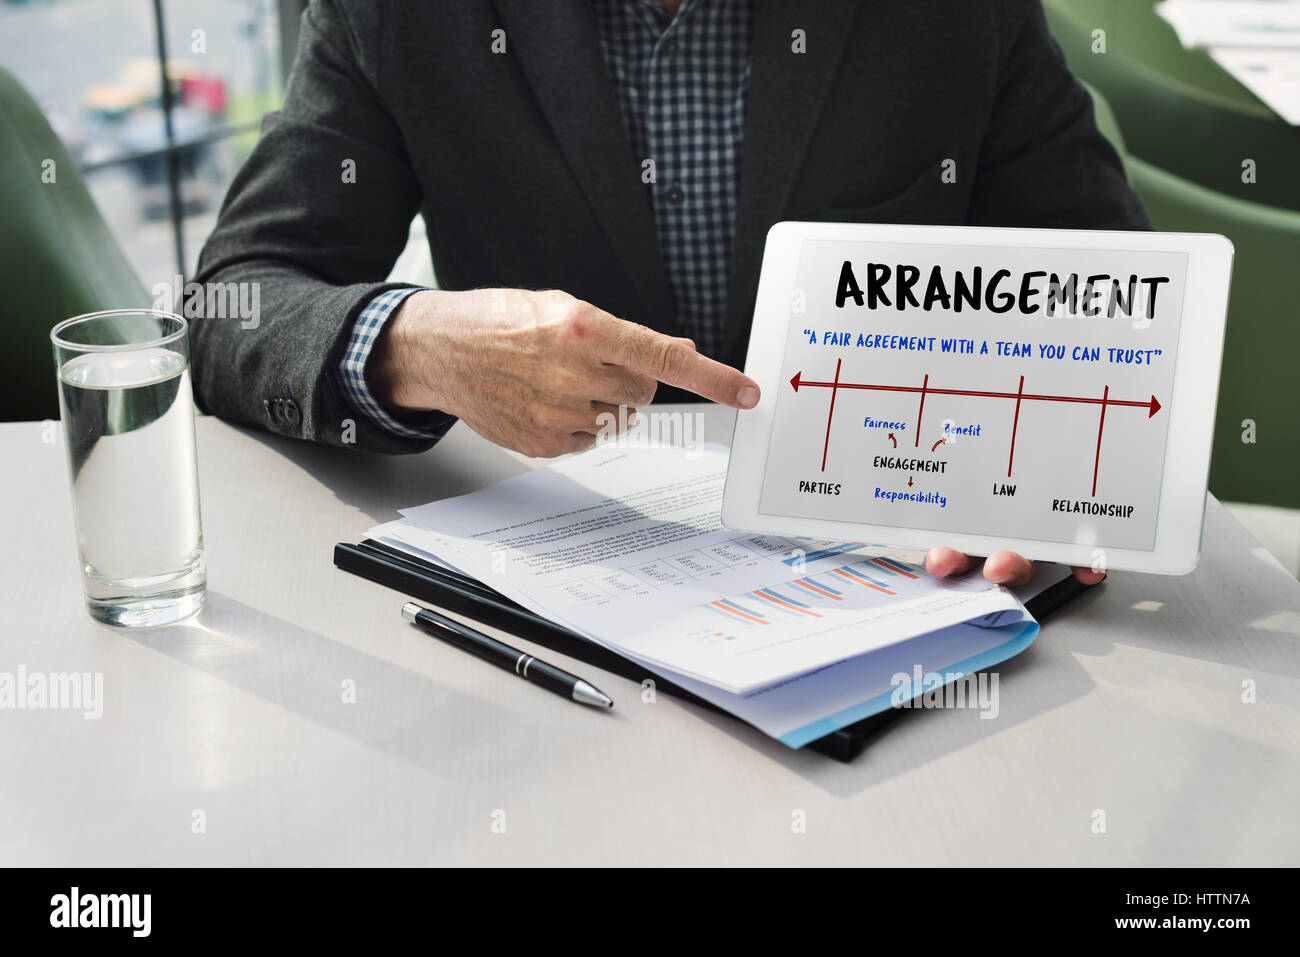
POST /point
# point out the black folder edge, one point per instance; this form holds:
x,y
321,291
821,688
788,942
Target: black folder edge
x,y
466,596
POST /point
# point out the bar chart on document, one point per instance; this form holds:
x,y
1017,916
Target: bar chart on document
x,y
628,549
813,587
811,599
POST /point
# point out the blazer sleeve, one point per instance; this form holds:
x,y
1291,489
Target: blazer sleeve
x,y
319,211
1043,162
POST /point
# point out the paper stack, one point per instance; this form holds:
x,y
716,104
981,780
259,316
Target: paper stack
x,y
623,545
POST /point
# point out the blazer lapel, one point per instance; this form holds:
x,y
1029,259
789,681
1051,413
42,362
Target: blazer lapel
x,y
558,49
783,104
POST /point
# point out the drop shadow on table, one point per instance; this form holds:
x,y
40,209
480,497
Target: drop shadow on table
x,y
461,462
399,712
1256,633
1239,609
377,485
917,737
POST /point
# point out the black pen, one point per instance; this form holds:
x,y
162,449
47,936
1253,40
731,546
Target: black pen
x,y
503,656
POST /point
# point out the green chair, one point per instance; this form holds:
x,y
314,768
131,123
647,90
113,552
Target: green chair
x,y
1105,119
1258,383
1135,30
57,255
1258,380
1179,111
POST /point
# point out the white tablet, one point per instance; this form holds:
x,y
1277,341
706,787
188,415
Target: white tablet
x,y
1047,391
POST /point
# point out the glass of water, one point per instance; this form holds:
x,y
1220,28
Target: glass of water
x,y
128,420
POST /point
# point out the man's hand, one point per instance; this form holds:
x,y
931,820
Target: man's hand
x,y
1004,567
534,371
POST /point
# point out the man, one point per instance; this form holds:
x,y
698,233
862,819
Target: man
x,y
627,158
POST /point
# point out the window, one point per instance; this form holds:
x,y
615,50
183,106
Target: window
x,y
158,167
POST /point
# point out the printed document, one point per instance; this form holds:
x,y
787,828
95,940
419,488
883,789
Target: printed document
x,y
624,545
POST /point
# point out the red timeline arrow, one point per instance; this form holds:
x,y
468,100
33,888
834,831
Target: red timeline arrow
x,y
1152,406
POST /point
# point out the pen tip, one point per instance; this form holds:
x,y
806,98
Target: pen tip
x,y
584,693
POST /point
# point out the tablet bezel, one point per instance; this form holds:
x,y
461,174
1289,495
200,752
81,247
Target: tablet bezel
x,y
1191,408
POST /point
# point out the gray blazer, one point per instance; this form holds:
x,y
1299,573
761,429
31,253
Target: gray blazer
x,y
526,179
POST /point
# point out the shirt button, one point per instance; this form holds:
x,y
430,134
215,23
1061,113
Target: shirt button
x,y
292,414
675,195
669,47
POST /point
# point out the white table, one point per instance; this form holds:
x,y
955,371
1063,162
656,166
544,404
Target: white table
x,y
1130,702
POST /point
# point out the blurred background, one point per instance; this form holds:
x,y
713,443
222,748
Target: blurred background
x,y
147,108
95,69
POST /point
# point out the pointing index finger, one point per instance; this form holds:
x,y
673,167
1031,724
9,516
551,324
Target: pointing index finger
x,y
671,360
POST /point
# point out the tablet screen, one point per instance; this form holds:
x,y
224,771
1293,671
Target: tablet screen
x,y
1003,391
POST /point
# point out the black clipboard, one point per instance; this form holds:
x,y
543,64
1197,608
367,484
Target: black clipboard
x,y
466,596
